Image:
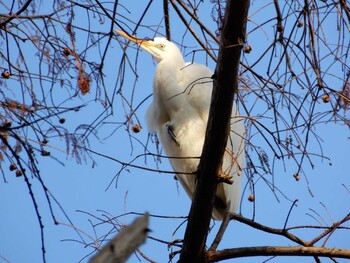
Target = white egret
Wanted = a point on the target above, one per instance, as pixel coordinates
(178, 115)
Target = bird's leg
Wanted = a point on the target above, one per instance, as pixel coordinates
(225, 178)
(172, 134)
(173, 254)
(222, 229)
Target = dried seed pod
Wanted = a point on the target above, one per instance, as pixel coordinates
(19, 173)
(12, 167)
(7, 124)
(45, 153)
(136, 128)
(67, 51)
(247, 49)
(300, 23)
(6, 74)
(251, 197)
(280, 28)
(326, 98)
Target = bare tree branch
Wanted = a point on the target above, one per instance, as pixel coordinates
(22, 9)
(276, 251)
(281, 232)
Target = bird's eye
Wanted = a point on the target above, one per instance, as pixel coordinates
(161, 46)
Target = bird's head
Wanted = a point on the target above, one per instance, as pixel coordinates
(158, 47)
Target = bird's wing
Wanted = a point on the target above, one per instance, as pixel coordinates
(196, 81)
(233, 162)
(176, 121)
(183, 104)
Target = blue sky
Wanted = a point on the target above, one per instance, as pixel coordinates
(89, 193)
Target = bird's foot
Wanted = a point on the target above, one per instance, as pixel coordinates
(224, 178)
(173, 254)
(178, 243)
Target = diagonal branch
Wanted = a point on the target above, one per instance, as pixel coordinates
(22, 9)
(225, 86)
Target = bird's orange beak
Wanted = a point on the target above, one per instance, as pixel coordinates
(140, 41)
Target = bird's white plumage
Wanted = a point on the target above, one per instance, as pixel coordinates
(179, 115)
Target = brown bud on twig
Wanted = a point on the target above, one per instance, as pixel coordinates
(19, 173)
(296, 176)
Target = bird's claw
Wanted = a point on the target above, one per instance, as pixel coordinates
(224, 178)
(173, 254)
(178, 243)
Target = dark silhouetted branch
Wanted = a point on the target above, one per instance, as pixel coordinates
(225, 86)
(276, 251)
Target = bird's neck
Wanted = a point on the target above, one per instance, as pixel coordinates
(177, 62)
(166, 89)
